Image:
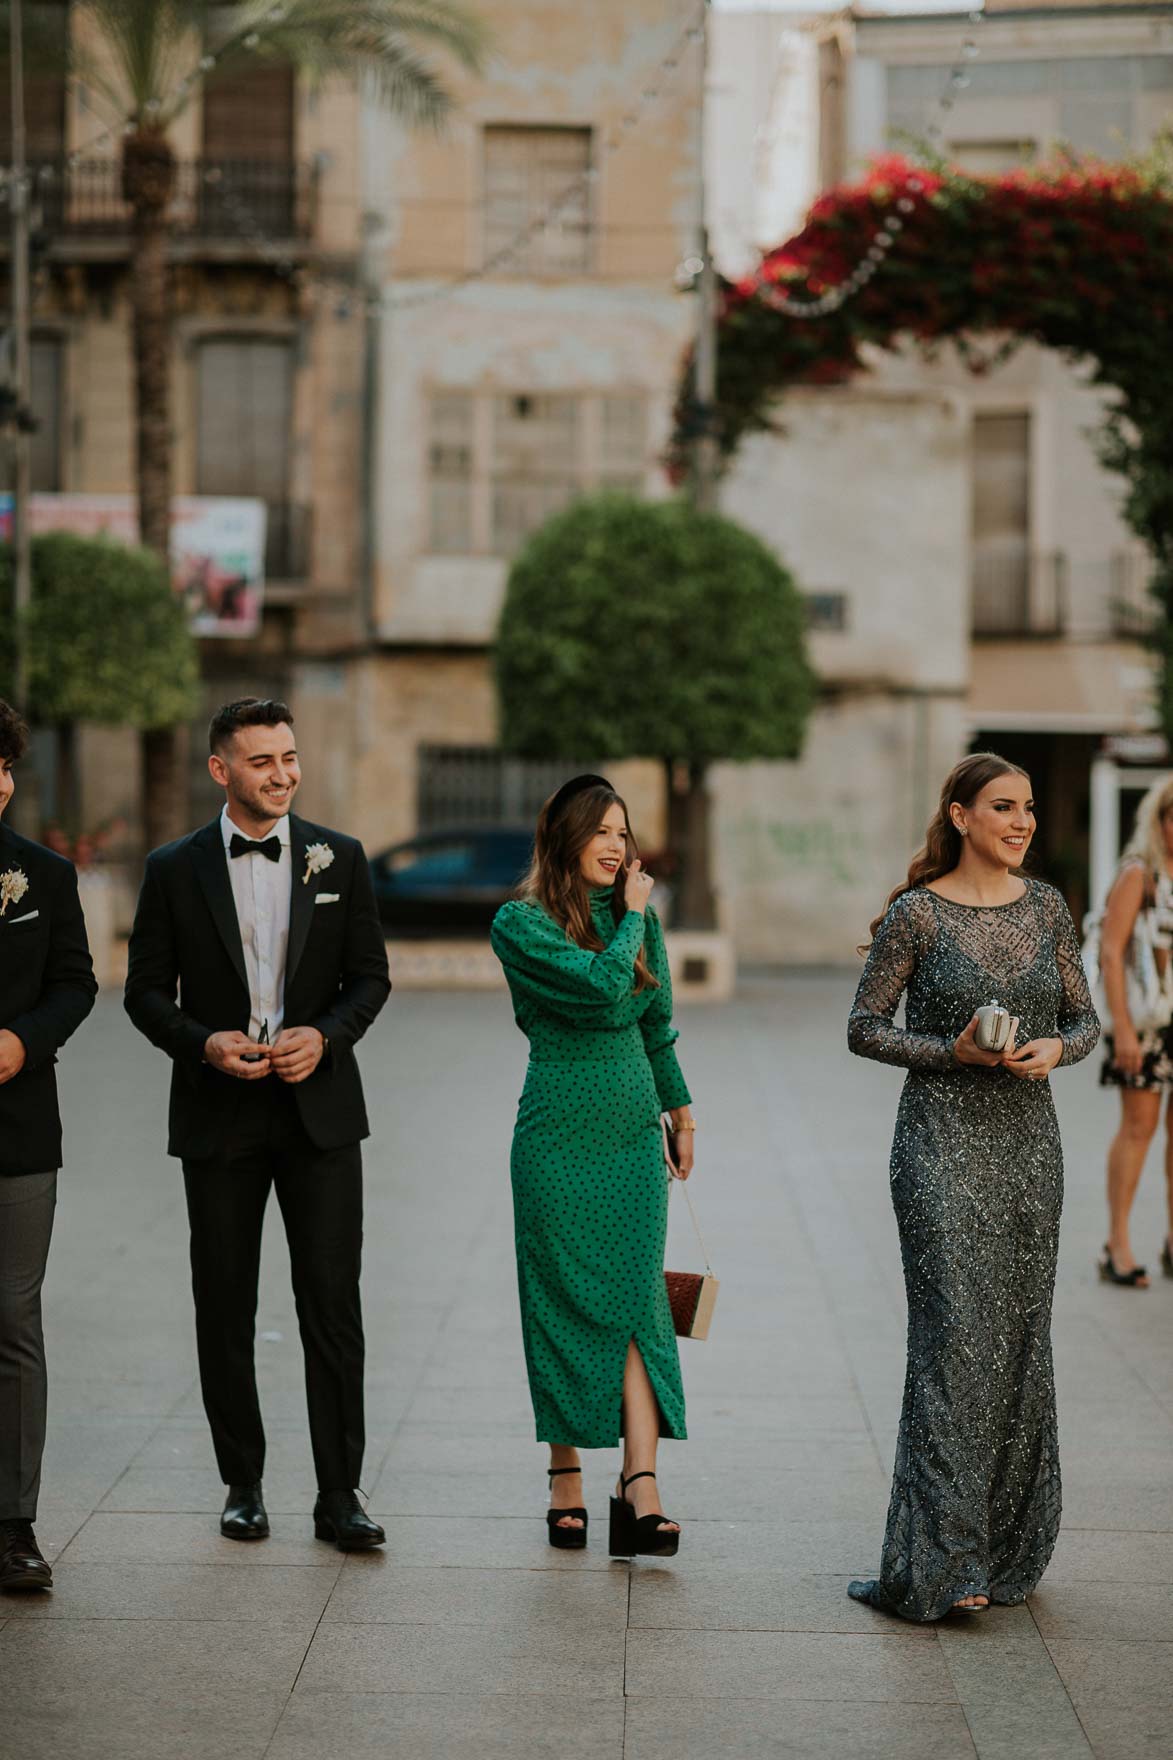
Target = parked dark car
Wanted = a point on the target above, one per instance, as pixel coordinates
(450, 882)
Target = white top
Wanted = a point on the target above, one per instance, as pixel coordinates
(263, 891)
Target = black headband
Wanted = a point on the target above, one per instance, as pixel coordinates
(576, 785)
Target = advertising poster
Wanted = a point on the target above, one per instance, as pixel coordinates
(217, 548)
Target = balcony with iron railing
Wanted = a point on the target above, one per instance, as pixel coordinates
(251, 203)
(1132, 608)
(1019, 593)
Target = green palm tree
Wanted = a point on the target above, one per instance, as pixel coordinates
(147, 59)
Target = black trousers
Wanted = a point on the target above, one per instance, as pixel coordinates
(27, 1203)
(320, 1194)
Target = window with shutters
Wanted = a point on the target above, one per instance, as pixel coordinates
(532, 174)
(44, 95)
(244, 416)
(500, 463)
(535, 464)
(1016, 590)
(249, 176)
(46, 387)
(450, 451)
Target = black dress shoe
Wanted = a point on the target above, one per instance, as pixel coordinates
(21, 1564)
(339, 1516)
(244, 1515)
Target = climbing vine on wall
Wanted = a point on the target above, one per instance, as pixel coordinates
(1074, 255)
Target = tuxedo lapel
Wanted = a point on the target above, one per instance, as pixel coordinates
(301, 897)
(211, 866)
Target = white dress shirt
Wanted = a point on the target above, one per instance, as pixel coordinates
(263, 891)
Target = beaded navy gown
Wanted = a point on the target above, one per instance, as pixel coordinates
(977, 1186)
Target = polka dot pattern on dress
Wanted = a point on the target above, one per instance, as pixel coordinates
(590, 1193)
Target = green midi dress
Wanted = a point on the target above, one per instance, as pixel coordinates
(590, 1191)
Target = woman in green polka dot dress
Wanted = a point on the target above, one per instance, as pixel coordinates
(589, 978)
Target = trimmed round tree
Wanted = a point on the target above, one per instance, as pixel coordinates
(108, 641)
(639, 629)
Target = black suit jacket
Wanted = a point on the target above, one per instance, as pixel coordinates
(47, 988)
(187, 979)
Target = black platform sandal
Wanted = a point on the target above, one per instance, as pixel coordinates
(642, 1536)
(1166, 1258)
(568, 1539)
(1137, 1278)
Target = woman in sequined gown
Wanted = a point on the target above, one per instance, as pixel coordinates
(977, 1186)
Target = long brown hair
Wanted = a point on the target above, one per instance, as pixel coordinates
(941, 851)
(555, 879)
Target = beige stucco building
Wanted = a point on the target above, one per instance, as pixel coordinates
(972, 580)
(529, 349)
(268, 382)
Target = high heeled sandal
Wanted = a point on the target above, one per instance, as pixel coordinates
(567, 1539)
(1137, 1278)
(642, 1536)
(1166, 1258)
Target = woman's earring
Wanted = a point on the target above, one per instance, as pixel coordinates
(964, 830)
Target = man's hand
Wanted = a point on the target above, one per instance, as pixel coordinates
(296, 1053)
(235, 1054)
(12, 1056)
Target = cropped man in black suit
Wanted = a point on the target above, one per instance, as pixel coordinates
(47, 989)
(257, 962)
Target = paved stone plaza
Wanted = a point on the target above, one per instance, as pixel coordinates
(468, 1638)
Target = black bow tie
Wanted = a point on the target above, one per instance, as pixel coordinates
(245, 846)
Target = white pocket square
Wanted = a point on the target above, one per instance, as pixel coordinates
(27, 918)
(328, 898)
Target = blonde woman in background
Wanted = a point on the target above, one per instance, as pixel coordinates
(1138, 1062)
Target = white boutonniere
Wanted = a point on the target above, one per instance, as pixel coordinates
(13, 886)
(318, 857)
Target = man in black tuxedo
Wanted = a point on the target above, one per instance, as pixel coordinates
(257, 962)
(47, 989)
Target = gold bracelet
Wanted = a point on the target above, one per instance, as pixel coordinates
(687, 1125)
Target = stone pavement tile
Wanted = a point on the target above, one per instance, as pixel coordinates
(178, 1489)
(753, 1600)
(443, 1595)
(1025, 1730)
(418, 1448)
(83, 1459)
(120, 1724)
(848, 1548)
(276, 1596)
(463, 1659)
(798, 1729)
(186, 1442)
(831, 1457)
(173, 1658)
(76, 1397)
(499, 1412)
(787, 1665)
(796, 1496)
(997, 1664)
(787, 1416)
(1123, 1611)
(492, 1493)
(430, 1726)
(1105, 1555)
(114, 1538)
(56, 1527)
(486, 1543)
(1093, 1501)
(1127, 1732)
(1100, 1673)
